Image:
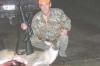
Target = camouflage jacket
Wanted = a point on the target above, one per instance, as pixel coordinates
(57, 20)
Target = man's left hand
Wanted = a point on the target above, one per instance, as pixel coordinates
(63, 32)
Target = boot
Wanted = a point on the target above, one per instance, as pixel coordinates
(61, 60)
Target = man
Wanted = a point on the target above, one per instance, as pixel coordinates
(50, 24)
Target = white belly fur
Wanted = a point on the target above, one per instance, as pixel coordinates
(47, 57)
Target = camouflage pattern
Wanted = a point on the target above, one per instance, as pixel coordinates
(62, 45)
(57, 20)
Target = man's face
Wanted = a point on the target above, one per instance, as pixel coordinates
(45, 7)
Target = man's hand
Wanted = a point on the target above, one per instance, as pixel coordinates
(63, 32)
(23, 26)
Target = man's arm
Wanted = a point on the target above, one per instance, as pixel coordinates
(36, 42)
(65, 23)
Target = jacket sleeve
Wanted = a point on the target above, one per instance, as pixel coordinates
(34, 39)
(65, 21)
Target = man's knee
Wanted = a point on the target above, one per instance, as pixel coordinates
(63, 38)
(62, 41)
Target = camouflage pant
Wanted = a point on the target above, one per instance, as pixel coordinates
(62, 43)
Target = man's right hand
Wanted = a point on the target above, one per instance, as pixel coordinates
(23, 26)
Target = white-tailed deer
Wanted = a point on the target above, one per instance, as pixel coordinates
(44, 58)
(47, 57)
